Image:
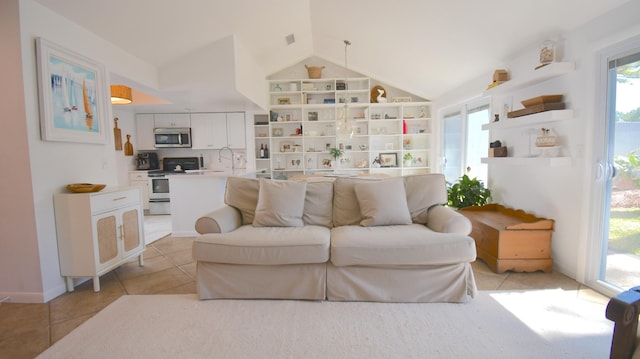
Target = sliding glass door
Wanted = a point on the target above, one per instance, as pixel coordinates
(620, 174)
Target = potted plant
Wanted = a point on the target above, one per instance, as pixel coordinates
(336, 153)
(408, 159)
(467, 192)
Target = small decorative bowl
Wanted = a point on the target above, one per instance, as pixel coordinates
(85, 187)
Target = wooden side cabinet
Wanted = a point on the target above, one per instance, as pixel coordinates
(98, 232)
(511, 240)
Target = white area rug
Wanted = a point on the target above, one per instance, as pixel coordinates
(535, 324)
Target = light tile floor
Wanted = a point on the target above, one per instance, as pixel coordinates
(28, 329)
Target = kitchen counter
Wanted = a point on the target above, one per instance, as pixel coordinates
(195, 193)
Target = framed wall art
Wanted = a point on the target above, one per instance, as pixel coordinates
(72, 95)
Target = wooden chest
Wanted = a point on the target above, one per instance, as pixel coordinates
(511, 240)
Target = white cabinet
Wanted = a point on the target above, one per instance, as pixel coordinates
(144, 132)
(217, 130)
(140, 179)
(172, 120)
(98, 232)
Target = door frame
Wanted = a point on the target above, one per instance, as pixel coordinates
(599, 170)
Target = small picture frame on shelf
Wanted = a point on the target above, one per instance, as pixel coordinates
(388, 159)
(294, 163)
(312, 116)
(284, 101)
(276, 132)
(286, 147)
(401, 99)
(287, 117)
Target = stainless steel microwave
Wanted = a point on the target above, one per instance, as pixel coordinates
(172, 137)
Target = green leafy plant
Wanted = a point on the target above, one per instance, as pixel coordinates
(467, 192)
(407, 156)
(628, 166)
(336, 153)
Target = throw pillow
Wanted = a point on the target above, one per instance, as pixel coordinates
(280, 204)
(423, 192)
(318, 204)
(383, 203)
(242, 193)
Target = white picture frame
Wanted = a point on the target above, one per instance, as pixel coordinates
(72, 95)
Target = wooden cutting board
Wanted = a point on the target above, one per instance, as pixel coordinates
(117, 135)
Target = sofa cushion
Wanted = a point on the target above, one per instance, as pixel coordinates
(280, 204)
(382, 203)
(403, 245)
(318, 204)
(423, 192)
(264, 246)
(242, 193)
(346, 210)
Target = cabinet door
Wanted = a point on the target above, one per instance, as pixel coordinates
(202, 128)
(131, 237)
(219, 134)
(172, 120)
(144, 132)
(236, 130)
(106, 236)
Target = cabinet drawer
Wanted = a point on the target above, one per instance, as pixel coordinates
(138, 176)
(107, 201)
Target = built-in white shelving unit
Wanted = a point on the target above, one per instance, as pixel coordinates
(301, 130)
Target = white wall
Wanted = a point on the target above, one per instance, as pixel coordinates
(560, 193)
(55, 164)
(19, 260)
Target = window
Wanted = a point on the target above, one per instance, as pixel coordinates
(464, 142)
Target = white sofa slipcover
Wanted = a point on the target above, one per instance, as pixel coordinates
(333, 256)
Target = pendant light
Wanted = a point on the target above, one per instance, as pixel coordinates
(120, 95)
(345, 127)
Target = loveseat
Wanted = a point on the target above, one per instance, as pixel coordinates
(344, 239)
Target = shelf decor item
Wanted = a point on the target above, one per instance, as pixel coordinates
(378, 94)
(547, 52)
(315, 72)
(388, 159)
(85, 187)
(546, 140)
(72, 94)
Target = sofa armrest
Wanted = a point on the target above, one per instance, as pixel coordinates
(222, 220)
(447, 220)
(624, 309)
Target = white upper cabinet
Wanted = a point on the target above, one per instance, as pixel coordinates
(217, 130)
(172, 120)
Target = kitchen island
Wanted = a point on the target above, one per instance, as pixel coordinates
(196, 193)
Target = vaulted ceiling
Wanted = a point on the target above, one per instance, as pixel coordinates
(426, 47)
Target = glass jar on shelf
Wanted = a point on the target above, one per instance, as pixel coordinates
(547, 52)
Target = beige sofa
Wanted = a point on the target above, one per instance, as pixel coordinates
(344, 239)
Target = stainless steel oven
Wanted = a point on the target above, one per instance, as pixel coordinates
(159, 200)
(159, 191)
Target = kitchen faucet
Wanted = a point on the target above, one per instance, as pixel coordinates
(233, 161)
